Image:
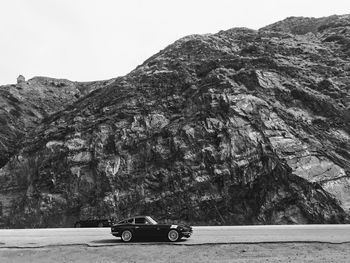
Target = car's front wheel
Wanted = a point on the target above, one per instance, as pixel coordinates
(173, 235)
(126, 236)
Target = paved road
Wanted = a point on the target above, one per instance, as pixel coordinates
(201, 235)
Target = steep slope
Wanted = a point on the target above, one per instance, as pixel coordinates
(237, 127)
(25, 104)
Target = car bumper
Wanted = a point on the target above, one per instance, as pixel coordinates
(116, 233)
(186, 234)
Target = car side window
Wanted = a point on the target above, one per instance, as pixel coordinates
(130, 221)
(140, 221)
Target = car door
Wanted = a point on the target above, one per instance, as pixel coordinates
(157, 231)
(154, 229)
(143, 228)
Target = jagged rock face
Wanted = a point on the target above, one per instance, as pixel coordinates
(24, 105)
(239, 127)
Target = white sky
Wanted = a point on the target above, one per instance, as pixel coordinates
(101, 39)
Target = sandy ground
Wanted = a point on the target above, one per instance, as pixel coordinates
(282, 252)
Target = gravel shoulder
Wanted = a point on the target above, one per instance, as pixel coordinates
(276, 252)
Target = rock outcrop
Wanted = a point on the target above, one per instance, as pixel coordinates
(20, 79)
(26, 104)
(238, 127)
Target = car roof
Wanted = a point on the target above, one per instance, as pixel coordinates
(132, 217)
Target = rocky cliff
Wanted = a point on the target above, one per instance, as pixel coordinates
(25, 104)
(238, 127)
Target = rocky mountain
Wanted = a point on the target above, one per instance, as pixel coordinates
(237, 127)
(25, 104)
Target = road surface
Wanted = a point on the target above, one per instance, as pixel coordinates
(94, 237)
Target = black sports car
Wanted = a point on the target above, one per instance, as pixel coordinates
(93, 223)
(147, 227)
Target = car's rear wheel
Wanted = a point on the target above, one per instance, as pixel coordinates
(173, 235)
(126, 236)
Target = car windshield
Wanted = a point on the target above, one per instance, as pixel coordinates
(150, 219)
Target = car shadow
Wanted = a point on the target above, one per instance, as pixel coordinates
(136, 241)
(106, 241)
